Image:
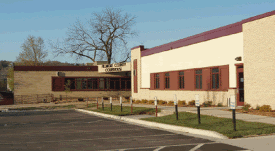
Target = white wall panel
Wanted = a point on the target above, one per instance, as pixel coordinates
(215, 52)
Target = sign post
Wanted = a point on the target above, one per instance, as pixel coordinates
(102, 104)
(156, 104)
(131, 102)
(176, 106)
(121, 103)
(233, 107)
(97, 102)
(197, 103)
(111, 103)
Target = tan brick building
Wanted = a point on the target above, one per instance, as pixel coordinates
(86, 81)
(237, 59)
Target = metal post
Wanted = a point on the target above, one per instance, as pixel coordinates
(234, 119)
(121, 104)
(156, 111)
(199, 115)
(102, 104)
(111, 102)
(131, 102)
(97, 102)
(87, 102)
(176, 108)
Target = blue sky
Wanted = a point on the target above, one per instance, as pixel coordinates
(158, 21)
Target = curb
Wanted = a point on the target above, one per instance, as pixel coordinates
(159, 125)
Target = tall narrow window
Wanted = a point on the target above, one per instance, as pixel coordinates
(167, 80)
(181, 80)
(156, 81)
(198, 74)
(215, 78)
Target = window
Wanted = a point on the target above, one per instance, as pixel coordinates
(107, 83)
(198, 74)
(101, 83)
(72, 83)
(215, 78)
(92, 83)
(167, 81)
(181, 80)
(156, 81)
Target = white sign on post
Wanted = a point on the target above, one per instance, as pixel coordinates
(156, 102)
(232, 102)
(175, 100)
(131, 100)
(197, 101)
(120, 100)
(110, 99)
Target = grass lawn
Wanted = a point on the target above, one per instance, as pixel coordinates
(126, 110)
(221, 125)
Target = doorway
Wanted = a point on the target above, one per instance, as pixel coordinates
(240, 86)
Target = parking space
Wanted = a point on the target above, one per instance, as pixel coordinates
(71, 130)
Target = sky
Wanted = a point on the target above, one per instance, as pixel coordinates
(157, 21)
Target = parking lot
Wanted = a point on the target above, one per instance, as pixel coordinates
(71, 130)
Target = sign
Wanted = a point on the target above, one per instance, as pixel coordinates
(120, 100)
(197, 101)
(156, 101)
(175, 100)
(232, 102)
(111, 100)
(113, 69)
(131, 100)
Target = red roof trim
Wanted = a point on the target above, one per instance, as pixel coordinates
(55, 68)
(208, 35)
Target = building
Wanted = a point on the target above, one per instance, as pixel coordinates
(237, 59)
(96, 80)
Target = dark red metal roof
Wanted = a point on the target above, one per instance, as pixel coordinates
(55, 68)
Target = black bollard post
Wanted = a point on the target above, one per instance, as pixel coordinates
(177, 114)
(234, 119)
(199, 115)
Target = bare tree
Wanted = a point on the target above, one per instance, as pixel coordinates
(33, 52)
(101, 38)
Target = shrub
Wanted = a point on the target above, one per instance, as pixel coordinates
(191, 102)
(246, 107)
(144, 101)
(220, 105)
(151, 101)
(80, 99)
(106, 98)
(170, 103)
(182, 102)
(265, 108)
(137, 101)
(257, 107)
(161, 102)
(207, 103)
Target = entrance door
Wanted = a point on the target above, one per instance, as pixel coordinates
(240, 86)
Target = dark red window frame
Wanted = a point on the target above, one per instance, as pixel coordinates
(198, 78)
(215, 78)
(156, 80)
(181, 80)
(167, 80)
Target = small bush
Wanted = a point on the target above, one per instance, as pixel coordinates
(191, 102)
(106, 98)
(265, 108)
(257, 107)
(161, 102)
(137, 101)
(144, 101)
(151, 101)
(182, 102)
(80, 99)
(207, 103)
(246, 107)
(170, 103)
(220, 105)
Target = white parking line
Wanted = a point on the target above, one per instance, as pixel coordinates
(159, 148)
(197, 147)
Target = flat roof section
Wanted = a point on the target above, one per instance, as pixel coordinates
(55, 68)
(208, 35)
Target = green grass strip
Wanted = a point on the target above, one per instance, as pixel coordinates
(221, 125)
(126, 110)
